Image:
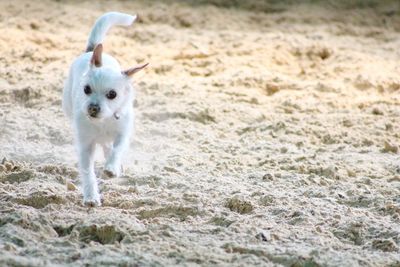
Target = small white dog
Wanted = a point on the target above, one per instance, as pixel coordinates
(98, 99)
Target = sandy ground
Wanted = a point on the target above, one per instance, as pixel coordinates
(265, 135)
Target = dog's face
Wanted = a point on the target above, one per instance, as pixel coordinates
(105, 90)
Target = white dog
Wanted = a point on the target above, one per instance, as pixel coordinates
(98, 99)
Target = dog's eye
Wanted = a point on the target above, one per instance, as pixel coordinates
(87, 89)
(111, 94)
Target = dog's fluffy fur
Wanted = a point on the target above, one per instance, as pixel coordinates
(98, 99)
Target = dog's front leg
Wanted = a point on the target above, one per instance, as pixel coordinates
(91, 196)
(113, 165)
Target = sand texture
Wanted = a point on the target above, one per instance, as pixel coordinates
(266, 135)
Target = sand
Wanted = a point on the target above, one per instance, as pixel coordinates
(266, 134)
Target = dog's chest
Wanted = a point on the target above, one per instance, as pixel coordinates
(106, 131)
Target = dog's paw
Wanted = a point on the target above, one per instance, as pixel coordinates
(92, 201)
(112, 170)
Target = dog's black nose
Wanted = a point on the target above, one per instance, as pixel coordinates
(93, 109)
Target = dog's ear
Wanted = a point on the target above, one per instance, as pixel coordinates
(96, 57)
(131, 71)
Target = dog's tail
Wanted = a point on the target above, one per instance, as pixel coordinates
(103, 24)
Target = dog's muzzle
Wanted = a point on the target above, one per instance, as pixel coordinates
(93, 110)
